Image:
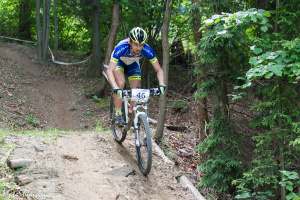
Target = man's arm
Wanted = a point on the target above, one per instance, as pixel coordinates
(159, 73)
(111, 78)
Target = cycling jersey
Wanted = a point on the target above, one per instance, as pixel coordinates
(129, 63)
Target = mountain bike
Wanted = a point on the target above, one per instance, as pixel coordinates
(138, 119)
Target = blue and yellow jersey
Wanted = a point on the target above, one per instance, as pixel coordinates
(122, 53)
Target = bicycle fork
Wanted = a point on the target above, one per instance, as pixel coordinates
(136, 126)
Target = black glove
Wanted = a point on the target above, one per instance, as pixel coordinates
(118, 92)
(162, 89)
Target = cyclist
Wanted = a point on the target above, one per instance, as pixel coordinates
(125, 61)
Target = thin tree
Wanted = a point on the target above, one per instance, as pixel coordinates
(55, 25)
(110, 42)
(113, 30)
(202, 104)
(38, 28)
(25, 19)
(42, 29)
(93, 69)
(165, 65)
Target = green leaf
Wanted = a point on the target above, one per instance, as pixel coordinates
(268, 75)
(222, 32)
(267, 14)
(255, 61)
(256, 50)
(244, 195)
(276, 69)
(290, 174)
(264, 28)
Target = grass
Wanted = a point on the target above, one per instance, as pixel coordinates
(99, 127)
(49, 134)
(101, 102)
(4, 170)
(32, 120)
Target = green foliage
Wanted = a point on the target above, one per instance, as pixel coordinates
(290, 181)
(32, 120)
(275, 75)
(281, 63)
(74, 33)
(221, 33)
(222, 164)
(8, 17)
(179, 105)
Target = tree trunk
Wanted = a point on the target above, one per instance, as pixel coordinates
(202, 104)
(94, 67)
(165, 45)
(55, 26)
(262, 4)
(46, 25)
(113, 31)
(281, 163)
(110, 43)
(196, 20)
(24, 20)
(38, 29)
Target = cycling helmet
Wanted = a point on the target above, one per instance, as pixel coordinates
(138, 35)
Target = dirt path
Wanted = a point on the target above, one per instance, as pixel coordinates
(51, 95)
(82, 165)
(92, 166)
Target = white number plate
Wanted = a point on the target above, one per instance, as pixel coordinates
(140, 95)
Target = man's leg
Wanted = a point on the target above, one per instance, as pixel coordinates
(134, 76)
(134, 83)
(120, 80)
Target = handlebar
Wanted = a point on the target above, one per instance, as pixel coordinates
(153, 92)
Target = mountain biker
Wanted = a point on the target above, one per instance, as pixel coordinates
(125, 61)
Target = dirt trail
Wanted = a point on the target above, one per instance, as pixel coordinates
(51, 95)
(92, 166)
(80, 165)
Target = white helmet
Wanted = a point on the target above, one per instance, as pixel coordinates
(138, 35)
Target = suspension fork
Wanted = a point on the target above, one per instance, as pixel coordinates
(135, 123)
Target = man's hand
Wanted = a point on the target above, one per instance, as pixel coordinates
(118, 92)
(162, 89)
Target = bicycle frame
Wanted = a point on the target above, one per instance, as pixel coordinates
(134, 119)
(138, 119)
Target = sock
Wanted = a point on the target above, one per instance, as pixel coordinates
(118, 111)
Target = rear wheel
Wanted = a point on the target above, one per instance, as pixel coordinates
(144, 149)
(118, 132)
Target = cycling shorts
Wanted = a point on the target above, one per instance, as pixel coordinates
(132, 71)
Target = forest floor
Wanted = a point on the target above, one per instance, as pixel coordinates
(80, 160)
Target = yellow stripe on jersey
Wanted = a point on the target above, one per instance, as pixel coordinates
(153, 60)
(119, 68)
(114, 60)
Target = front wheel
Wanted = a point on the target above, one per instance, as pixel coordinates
(119, 133)
(144, 145)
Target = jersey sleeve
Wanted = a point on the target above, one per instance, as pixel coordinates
(117, 53)
(149, 53)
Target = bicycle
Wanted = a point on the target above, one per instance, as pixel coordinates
(138, 119)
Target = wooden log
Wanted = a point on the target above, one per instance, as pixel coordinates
(168, 126)
(18, 163)
(159, 152)
(185, 182)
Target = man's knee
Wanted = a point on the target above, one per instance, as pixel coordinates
(120, 79)
(120, 83)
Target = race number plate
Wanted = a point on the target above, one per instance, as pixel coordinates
(140, 95)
